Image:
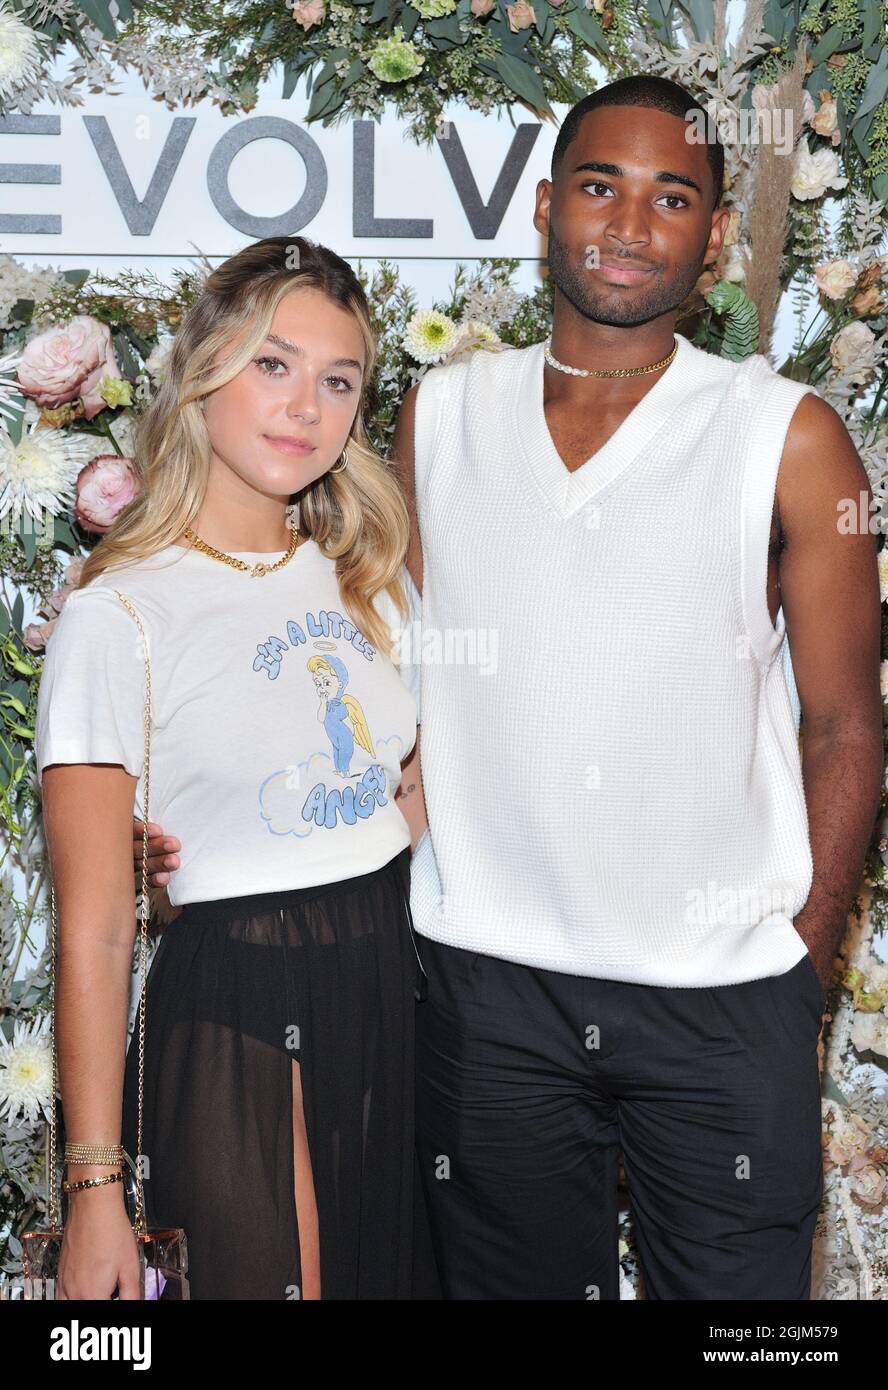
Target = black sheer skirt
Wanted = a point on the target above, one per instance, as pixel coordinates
(238, 990)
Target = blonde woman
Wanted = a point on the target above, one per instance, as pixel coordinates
(278, 1126)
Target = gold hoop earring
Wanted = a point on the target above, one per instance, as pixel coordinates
(343, 464)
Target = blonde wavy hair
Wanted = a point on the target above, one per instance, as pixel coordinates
(357, 516)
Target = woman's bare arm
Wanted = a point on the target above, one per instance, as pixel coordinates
(409, 796)
(96, 921)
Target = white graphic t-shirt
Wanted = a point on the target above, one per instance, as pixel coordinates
(278, 729)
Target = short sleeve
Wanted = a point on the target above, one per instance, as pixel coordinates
(407, 633)
(91, 699)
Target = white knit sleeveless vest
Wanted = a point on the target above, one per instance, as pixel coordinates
(609, 753)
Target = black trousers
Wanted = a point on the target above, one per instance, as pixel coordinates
(530, 1083)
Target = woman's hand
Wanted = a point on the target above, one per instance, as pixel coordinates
(160, 860)
(99, 1248)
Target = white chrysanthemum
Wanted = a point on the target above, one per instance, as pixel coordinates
(813, 174)
(38, 474)
(19, 53)
(26, 1072)
(9, 386)
(883, 673)
(123, 427)
(17, 283)
(155, 364)
(430, 335)
(883, 572)
(473, 336)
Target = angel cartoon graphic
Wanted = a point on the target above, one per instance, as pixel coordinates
(341, 715)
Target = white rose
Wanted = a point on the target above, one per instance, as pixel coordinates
(814, 173)
(869, 1033)
(853, 352)
(827, 118)
(835, 278)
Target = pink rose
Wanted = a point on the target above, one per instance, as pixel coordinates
(104, 488)
(309, 12)
(481, 7)
(868, 1185)
(521, 16)
(36, 635)
(73, 571)
(63, 363)
(56, 601)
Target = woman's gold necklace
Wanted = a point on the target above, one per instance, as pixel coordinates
(618, 371)
(257, 569)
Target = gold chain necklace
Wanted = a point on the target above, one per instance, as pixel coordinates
(257, 569)
(619, 371)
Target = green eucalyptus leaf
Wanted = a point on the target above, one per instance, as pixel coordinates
(700, 13)
(876, 87)
(521, 79)
(22, 310)
(828, 45)
(446, 27)
(29, 544)
(408, 18)
(872, 22)
(292, 73)
(354, 74)
(98, 13)
(15, 423)
(325, 100)
(586, 27)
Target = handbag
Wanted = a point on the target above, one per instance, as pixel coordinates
(163, 1252)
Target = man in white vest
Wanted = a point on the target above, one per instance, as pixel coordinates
(632, 888)
(629, 898)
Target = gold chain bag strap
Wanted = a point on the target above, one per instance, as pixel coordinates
(163, 1253)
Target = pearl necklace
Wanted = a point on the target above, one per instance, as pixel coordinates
(619, 371)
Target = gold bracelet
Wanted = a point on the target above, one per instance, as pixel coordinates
(91, 1182)
(93, 1153)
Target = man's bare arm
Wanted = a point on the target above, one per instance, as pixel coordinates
(829, 586)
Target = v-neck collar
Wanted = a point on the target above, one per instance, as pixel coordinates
(564, 491)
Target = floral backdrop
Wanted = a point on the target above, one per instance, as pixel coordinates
(80, 355)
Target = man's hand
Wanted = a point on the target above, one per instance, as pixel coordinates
(160, 860)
